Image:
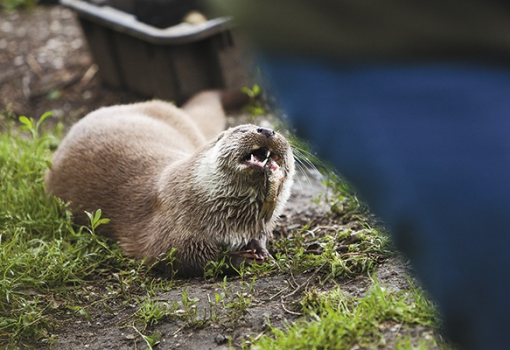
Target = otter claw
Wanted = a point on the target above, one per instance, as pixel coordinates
(256, 253)
(246, 256)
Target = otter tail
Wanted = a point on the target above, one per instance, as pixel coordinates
(207, 109)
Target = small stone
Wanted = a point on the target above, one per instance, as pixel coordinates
(19, 60)
(220, 339)
(6, 27)
(87, 95)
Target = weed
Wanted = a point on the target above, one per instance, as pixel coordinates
(216, 306)
(216, 268)
(254, 107)
(334, 252)
(151, 311)
(151, 340)
(11, 5)
(189, 312)
(28, 262)
(240, 302)
(339, 321)
(406, 343)
(41, 252)
(29, 124)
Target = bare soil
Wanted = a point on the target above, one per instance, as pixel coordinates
(45, 66)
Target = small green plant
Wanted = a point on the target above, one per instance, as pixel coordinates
(151, 311)
(27, 261)
(151, 340)
(11, 5)
(216, 268)
(189, 312)
(216, 305)
(32, 126)
(406, 343)
(96, 220)
(254, 107)
(241, 302)
(335, 251)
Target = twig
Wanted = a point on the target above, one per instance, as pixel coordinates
(34, 65)
(25, 82)
(397, 331)
(292, 281)
(280, 292)
(289, 311)
(300, 287)
(258, 336)
(306, 282)
(89, 74)
(178, 330)
(325, 228)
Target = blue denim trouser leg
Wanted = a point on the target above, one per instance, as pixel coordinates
(428, 147)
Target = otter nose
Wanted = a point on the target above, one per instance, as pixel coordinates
(266, 132)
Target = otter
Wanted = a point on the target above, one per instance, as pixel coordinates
(171, 178)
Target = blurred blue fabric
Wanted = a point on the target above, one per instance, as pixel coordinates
(427, 145)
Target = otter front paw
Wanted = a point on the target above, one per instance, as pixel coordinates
(256, 253)
(258, 248)
(244, 257)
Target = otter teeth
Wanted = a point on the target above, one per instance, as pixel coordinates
(268, 154)
(255, 159)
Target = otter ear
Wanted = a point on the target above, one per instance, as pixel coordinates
(221, 135)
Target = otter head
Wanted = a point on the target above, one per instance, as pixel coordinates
(256, 162)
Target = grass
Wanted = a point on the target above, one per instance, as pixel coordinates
(11, 5)
(41, 253)
(49, 266)
(339, 321)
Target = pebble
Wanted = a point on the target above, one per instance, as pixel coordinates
(220, 339)
(19, 60)
(6, 27)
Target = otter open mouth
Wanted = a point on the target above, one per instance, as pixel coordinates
(258, 158)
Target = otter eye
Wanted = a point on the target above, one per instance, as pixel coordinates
(242, 130)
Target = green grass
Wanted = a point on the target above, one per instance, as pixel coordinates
(11, 5)
(48, 266)
(336, 320)
(333, 319)
(43, 257)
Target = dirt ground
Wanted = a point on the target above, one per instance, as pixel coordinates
(45, 66)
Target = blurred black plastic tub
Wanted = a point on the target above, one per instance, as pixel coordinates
(169, 63)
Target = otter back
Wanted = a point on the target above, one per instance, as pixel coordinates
(154, 170)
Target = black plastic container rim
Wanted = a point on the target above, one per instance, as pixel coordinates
(126, 23)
